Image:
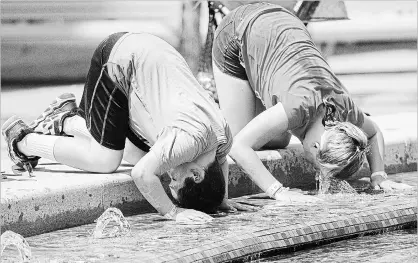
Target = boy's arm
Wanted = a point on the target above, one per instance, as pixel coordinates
(149, 184)
(225, 172)
(173, 147)
(229, 205)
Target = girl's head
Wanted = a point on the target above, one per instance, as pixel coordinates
(341, 148)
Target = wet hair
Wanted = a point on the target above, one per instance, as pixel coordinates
(345, 147)
(207, 195)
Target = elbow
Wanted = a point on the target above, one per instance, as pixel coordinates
(139, 174)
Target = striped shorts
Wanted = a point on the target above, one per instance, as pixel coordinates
(104, 106)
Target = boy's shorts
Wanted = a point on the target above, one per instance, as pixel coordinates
(104, 106)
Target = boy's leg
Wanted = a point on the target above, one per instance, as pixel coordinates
(78, 152)
(132, 154)
(76, 126)
(105, 115)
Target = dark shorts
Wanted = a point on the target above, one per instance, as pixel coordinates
(229, 46)
(226, 47)
(104, 106)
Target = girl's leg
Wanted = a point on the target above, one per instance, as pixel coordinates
(236, 100)
(239, 106)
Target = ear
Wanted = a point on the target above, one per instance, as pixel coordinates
(198, 174)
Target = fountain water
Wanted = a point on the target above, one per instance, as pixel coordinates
(110, 214)
(10, 238)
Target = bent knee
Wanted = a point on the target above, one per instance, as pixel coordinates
(104, 160)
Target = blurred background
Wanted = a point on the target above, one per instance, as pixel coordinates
(46, 46)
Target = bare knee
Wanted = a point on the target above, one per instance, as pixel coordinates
(105, 160)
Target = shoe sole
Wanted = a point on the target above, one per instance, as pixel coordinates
(58, 103)
(10, 122)
(6, 125)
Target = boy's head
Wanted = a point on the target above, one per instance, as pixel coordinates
(197, 187)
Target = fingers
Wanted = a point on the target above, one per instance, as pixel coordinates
(193, 217)
(194, 220)
(246, 207)
(250, 204)
(401, 186)
(391, 186)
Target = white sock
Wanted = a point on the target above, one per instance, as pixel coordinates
(38, 145)
(76, 126)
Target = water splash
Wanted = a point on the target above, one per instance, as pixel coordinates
(110, 214)
(10, 238)
(331, 185)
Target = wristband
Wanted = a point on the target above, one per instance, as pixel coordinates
(172, 213)
(273, 189)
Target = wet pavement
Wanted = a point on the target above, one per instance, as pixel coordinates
(152, 238)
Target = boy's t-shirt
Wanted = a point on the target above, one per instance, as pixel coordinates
(168, 107)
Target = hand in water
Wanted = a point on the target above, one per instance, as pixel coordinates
(379, 181)
(389, 185)
(232, 206)
(190, 216)
(290, 196)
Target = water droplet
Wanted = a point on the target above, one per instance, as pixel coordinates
(110, 214)
(10, 238)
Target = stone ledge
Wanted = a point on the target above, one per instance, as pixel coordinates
(234, 237)
(61, 197)
(271, 241)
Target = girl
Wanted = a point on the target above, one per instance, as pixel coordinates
(272, 82)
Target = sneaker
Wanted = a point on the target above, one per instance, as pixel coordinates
(14, 130)
(54, 124)
(64, 103)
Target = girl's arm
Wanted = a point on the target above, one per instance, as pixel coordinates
(376, 154)
(375, 157)
(254, 135)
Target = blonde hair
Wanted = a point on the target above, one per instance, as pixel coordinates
(345, 147)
